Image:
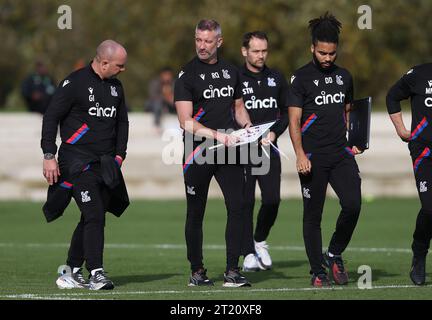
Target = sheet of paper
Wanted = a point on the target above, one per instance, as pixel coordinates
(252, 134)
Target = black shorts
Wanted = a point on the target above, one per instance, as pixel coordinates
(422, 167)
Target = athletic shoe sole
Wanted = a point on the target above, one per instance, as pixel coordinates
(235, 285)
(321, 285)
(102, 286)
(69, 283)
(422, 283)
(201, 285)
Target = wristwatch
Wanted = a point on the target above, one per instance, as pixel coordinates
(48, 156)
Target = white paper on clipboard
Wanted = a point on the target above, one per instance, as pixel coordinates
(252, 134)
(248, 135)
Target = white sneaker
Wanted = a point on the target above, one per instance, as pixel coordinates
(71, 281)
(261, 248)
(252, 264)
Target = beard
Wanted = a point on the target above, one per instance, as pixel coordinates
(321, 67)
(206, 56)
(257, 65)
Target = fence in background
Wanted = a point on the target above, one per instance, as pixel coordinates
(386, 168)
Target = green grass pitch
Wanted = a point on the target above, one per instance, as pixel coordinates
(145, 253)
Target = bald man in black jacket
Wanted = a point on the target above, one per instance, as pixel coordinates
(90, 107)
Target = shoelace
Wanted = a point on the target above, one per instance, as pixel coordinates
(100, 276)
(339, 262)
(323, 278)
(202, 273)
(264, 246)
(80, 276)
(237, 272)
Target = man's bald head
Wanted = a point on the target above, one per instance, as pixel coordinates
(108, 49)
(110, 59)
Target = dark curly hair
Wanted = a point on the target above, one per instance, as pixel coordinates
(326, 28)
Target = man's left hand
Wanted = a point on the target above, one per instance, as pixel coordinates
(356, 150)
(271, 137)
(118, 160)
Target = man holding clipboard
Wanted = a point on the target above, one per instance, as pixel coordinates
(206, 92)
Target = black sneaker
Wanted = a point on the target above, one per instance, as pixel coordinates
(199, 278)
(320, 280)
(234, 279)
(100, 281)
(418, 271)
(78, 277)
(336, 268)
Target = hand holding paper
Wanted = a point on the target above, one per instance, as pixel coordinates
(248, 135)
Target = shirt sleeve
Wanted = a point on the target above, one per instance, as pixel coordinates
(59, 107)
(238, 90)
(182, 89)
(296, 93)
(401, 90)
(282, 123)
(349, 97)
(122, 129)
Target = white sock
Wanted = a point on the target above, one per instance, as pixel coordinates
(75, 270)
(331, 255)
(95, 270)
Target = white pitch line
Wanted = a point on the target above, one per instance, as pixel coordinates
(168, 246)
(39, 297)
(119, 293)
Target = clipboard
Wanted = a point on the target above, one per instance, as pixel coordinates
(359, 123)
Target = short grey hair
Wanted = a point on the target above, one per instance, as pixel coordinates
(210, 25)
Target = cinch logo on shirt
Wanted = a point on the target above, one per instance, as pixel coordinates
(328, 99)
(428, 102)
(255, 103)
(97, 111)
(212, 93)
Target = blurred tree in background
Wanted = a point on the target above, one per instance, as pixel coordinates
(161, 34)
